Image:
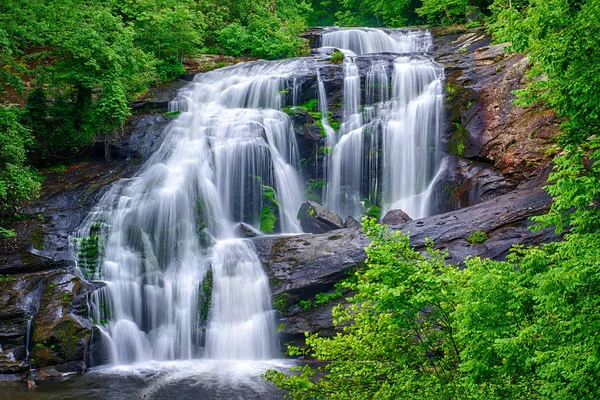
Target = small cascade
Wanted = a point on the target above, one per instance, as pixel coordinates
(27, 338)
(387, 150)
(242, 322)
(346, 165)
(370, 40)
(329, 131)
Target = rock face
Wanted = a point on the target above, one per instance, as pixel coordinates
(352, 223)
(315, 218)
(301, 266)
(395, 217)
(44, 314)
(483, 125)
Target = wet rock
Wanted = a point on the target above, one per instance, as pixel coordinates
(395, 217)
(315, 320)
(352, 223)
(243, 230)
(158, 98)
(315, 218)
(61, 329)
(304, 265)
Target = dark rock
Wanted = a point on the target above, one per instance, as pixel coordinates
(301, 266)
(243, 230)
(315, 320)
(395, 217)
(352, 223)
(483, 124)
(315, 218)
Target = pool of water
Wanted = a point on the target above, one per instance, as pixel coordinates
(174, 380)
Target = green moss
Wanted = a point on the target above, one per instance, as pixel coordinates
(310, 105)
(37, 238)
(280, 301)
(172, 114)
(267, 220)
(316, 115)
(205, 296)
(7, 278)
(477, 237)
(321, 128)
(456, 144)
(7, 233)
(325, 150)
(67, 334)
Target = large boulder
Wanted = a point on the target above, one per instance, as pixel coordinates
(395, 217)
(352, 223)
(315, 218)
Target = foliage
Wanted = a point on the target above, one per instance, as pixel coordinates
(364, 13)
(555, 35)
(339, 290)
(520, 329)
(477, 237)
(337, 57)
(268, 217)
(18, 182)
(398, 342)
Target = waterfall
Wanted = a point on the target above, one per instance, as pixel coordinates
(166, 228)
(179, 283)
(370, 40)
(386, 151)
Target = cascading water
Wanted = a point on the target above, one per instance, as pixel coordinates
(388, 150)
(164, 229)
(167, 237)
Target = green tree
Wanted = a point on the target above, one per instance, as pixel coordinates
(18, 182)
(398, 341)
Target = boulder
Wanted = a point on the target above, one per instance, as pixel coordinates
(352, 223)
(243, 230)
(395, 217)
(315, 218)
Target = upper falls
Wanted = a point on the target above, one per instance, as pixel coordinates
(180, 283)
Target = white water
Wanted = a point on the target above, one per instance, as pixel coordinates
(388, 150)
(370, 40)
(163, 230)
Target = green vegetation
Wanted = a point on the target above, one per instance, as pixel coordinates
(337, 57)
(340, 289)
(418, 328)
(477, 237)
(88, 250)
(205, 296)
(268, 215)
(7, 278)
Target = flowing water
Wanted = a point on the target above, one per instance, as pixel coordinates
(180, 284)
(386, 152)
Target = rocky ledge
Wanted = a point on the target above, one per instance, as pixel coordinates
(302, 266)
